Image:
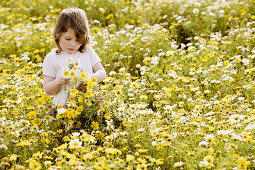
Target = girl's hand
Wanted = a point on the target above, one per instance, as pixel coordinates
(62, 80)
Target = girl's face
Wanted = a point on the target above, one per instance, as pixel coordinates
(68, 42)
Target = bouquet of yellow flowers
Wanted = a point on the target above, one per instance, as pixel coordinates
(84, 107)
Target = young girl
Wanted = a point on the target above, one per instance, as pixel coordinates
(71, 35)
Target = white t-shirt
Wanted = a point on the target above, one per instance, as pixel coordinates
(53, 64)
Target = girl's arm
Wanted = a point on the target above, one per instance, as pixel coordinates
(99, 72)
(51, 85)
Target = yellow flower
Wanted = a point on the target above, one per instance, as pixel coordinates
(130, 158)
(209, 158)
(107, 115)
(102, 10)
(23, 143)
(79, 109)
(88, 93)
(242, 162)
(113, 151)
(226, 63)
(95, 125)
(159, 162)
(109, 16)
(31, 115)
(34, 165)
(100, 135)
(134, 85)
(83, 75)
(69, 60)
(142, 150)
(90, 85)
(73, 92)
(72, 73)
(13, 157)
(59, 130)
(87, 102)
(185, 79)
(39, 101)
(94, 80)
(138, 145)
(36, 122)
(88, 156)
(73, 162)
(66, 72)
(207, 91)
(238, 59)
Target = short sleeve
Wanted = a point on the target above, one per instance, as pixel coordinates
(48, 66)
(94, 58)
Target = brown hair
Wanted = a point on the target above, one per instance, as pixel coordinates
(76, 19)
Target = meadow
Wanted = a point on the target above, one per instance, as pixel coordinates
(179, 92)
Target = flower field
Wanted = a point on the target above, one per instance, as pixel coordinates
(179, 92)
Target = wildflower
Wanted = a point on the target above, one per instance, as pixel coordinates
(61, 110)
(88, 156)
(250, 127)
(130, 158)
(204, 144)
(13, 157)
(142, 150)
(207, 91)
(203, 164)
(245, 61)
(3, 146)
(209, 158)
(95, 125)
(209, 137)
(73, 162)
(178, 164)
(69, 60)
(154, 60)
(242, 162)
(72, 73)
(107, 115)
(154, 132)
(31, 115)
(47, 163)
(36, 122)
(83, 75)
(195, 11)
(102, 10)
(93, 80)
(75, 143)
(66, 72)
(237, 59)
(226, 63)
(88, 93)
(16, 133)
(34, 165)
(90, 85)
(170, 53)
(39, 102)
(23, 143)
(76, 134)
(113, 151)
(73, 92)
(79, 109)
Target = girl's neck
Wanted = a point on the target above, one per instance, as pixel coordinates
(62, 52)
